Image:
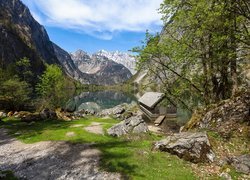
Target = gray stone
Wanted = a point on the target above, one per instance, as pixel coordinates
(29, 117)
(116, 111)
(225, 176)
(241, 163)
(133, 124)
(89, 112)
(194, 147)
(48, 114)
(3, 115)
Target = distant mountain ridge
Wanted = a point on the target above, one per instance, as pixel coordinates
(105, 71)
(125, 59)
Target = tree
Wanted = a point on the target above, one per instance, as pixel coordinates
(51, 87)
(15, 94)
(24, 72)
(197, 57)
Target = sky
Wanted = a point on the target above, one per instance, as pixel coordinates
(93, 25)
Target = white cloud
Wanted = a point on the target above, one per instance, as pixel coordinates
(100, 18)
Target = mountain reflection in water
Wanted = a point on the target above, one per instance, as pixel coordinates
(99, 100)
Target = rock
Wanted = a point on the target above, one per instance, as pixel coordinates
(10, 113)
(63, 115)
(118, 110)
(223, 117)
(29, 117)
(48, 114)
(241, 163)
(79, 114)
(194, 147)
(127, 115)
(225, 176)
(223, 162)
(115, 111)
(133, 124)
(3, 115)
(91, 112)
(181, 129)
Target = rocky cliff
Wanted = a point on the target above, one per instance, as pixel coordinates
(125, 59)
(69, 66)
(21, 35)
(100, 69)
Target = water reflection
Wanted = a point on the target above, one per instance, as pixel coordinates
(99, 100)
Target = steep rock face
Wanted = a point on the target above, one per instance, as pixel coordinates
(69, 66)
(121, 58)
(225, 117)
(85, 63)
(22, 35)
(100, 69)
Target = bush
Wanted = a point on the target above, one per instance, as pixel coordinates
(14, 94)
(52, 88)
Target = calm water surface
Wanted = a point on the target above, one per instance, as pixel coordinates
(99, 100)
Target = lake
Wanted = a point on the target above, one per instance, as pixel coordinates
(99, 100)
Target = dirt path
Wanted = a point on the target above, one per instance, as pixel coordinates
(95, 128)
(50, 160)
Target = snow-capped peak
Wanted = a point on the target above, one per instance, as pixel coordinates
(120, 57)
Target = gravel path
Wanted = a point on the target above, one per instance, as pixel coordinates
(50, 160)
(95, 128)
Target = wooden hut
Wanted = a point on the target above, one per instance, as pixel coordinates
(150, 105)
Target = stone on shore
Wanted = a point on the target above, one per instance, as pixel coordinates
(133, 124)
(115, 111)
(241, 163)
(194, 147)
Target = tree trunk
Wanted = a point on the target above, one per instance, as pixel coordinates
(233, 58)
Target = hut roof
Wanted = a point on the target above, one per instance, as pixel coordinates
(150, 99)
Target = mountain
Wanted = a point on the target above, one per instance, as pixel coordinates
(121, 58)
(22, 36)
(102, 70)
(69, 66)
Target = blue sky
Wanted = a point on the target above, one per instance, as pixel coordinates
(93, 25)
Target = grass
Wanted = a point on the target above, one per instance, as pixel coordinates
(132, 155)
(7, 175)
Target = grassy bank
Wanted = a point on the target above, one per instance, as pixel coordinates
(131, 155)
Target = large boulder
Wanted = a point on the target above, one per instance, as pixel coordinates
(115, 111)
(133, 124)
(241, 163)
(48, 114)
(194, 147)
(223, 117)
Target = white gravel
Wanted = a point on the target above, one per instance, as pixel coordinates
(51, 160)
